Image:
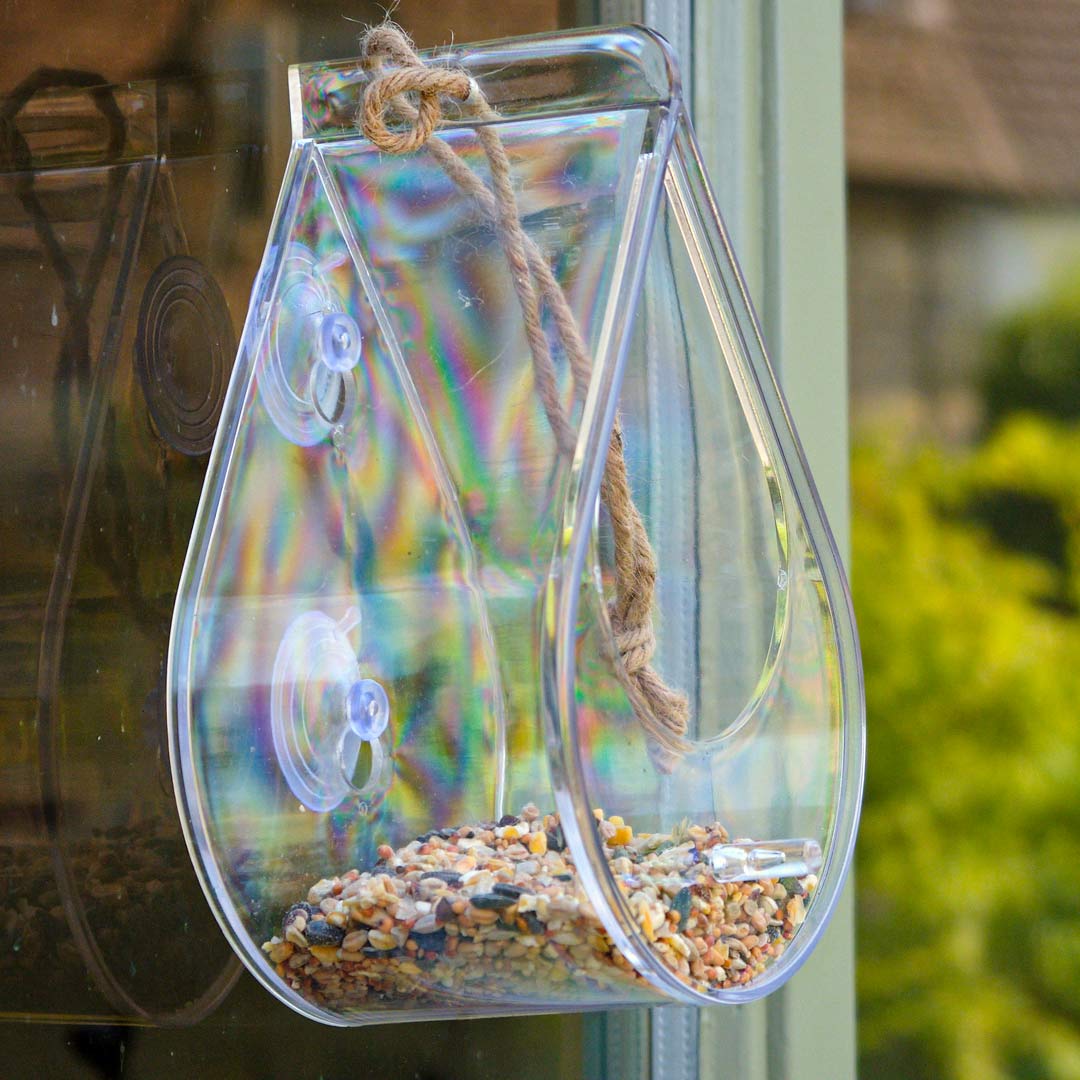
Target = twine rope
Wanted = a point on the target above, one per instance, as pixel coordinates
(661, 711)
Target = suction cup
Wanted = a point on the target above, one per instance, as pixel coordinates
(324, 714)
(184, 348)
(307, 385)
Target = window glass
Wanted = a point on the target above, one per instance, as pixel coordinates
(125, 286)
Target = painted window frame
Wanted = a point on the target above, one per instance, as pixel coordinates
(766, 86)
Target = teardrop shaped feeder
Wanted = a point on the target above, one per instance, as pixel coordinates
(513, 667)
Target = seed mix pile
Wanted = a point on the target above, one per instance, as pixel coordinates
(496, 911)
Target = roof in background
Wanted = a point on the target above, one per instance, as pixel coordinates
(973, 95)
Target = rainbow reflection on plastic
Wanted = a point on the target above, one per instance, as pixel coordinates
(433, 508)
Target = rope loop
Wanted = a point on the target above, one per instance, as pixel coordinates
(389, 43)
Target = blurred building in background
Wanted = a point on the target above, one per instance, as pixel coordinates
(963, 129)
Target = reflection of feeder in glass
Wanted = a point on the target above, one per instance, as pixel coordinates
(325, 714)
(106, 455)
(307, 386)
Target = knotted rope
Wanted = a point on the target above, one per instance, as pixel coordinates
(662, 711)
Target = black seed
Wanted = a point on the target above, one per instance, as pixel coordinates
(534, 925)
(433, 942)
(556, 839)
(564, 877)
(444, 910)
(320, 932)
(382, 954)
(773, 931)
(448, 834)
(507, 819)
(681, 905)
(509, 890)
(423, 838)
(298, 909)
(451, 877)
(492, 901)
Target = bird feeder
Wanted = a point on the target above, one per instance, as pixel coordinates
(513, 666)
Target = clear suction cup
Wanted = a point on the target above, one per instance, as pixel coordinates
(368, 709)
(329, 722)
(307, 385)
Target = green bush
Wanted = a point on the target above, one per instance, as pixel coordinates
(968, 869)
(1033, 358)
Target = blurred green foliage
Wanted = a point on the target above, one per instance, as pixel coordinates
(966, 573)
(1033, 357)
(968, 867)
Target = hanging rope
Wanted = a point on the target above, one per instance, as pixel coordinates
(662, 711)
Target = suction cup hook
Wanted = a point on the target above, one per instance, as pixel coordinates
(306, 382)
(329, 722)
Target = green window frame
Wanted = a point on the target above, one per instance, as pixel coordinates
(765, 78)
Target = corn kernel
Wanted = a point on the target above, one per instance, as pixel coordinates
(538, 843)
(623, 835)
(646, 925)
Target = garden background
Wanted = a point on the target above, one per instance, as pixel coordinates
(964, 294)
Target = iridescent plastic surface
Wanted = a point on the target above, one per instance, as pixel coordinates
(393, 617)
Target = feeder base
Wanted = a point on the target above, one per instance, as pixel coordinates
(495, 912)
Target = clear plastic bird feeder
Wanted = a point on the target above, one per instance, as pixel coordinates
(414, 773)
